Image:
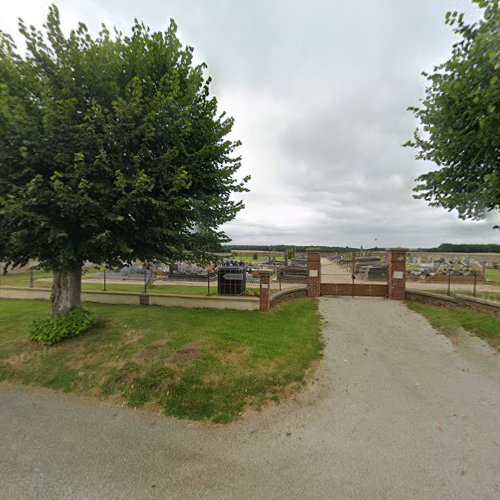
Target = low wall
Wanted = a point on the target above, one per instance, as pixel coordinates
(360, 289)
(289, 294)
(127, 298)
(436, 299)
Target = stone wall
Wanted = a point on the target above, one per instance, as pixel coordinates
(290, 294)
(436, 299)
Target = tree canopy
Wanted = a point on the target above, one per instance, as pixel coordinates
(112, 149)
(460, 119)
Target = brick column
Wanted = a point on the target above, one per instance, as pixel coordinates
(396, 273)
(313, 272)
(265, 285)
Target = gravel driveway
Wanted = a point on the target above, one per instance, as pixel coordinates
(394, 411)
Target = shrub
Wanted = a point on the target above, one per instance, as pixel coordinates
(57, 328)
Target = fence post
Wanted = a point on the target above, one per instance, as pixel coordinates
(265, 284)
(396, 260)
(313, 272)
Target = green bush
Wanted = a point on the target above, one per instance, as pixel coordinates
(57, 328)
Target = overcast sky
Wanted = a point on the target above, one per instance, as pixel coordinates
(319, 91)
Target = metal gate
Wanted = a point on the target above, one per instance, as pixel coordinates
(354, 274)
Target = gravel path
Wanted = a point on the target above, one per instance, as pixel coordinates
(394, 411)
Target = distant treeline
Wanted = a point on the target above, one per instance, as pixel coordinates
(464, 248)
(297, 248)
(444, 247)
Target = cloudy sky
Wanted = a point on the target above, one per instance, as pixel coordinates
(319, 91)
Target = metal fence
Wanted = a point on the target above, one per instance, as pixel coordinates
(451, 284)
(334, 271)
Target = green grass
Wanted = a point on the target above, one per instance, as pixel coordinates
(135, 288)
(193, 363)
(453, 321)
(493, 275)
(495, 296)
(23, 279)
(412, 266)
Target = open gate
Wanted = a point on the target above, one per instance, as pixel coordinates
(355, 275)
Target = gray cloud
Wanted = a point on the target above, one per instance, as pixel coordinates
(319, 91)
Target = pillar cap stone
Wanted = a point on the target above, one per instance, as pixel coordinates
(312, 249)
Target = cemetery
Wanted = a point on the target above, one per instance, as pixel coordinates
(364, 268)
(441, 269)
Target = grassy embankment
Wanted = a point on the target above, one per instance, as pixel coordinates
(455, 320)
(191, 363)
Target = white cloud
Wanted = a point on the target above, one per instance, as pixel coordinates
(319, 91)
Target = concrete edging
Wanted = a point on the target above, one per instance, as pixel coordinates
(129, 298)
(477, 304)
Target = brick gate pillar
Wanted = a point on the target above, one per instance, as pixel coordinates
(313, 272)
(265, 285)
(396, 273)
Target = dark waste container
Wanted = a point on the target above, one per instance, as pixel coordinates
(231, 280)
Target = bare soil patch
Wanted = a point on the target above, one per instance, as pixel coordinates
(148, 353)
(184, 355)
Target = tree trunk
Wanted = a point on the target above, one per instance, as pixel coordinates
(66, 290)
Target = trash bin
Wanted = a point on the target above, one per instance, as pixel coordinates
(231, 280)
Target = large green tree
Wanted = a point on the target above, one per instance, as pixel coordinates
(460, 119)
(111, 149)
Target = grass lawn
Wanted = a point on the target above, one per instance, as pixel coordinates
(23, 280)
(493, 275)
(125, 287)
(412, 266)
(495, 296)
(452, 321)
(192, 363)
